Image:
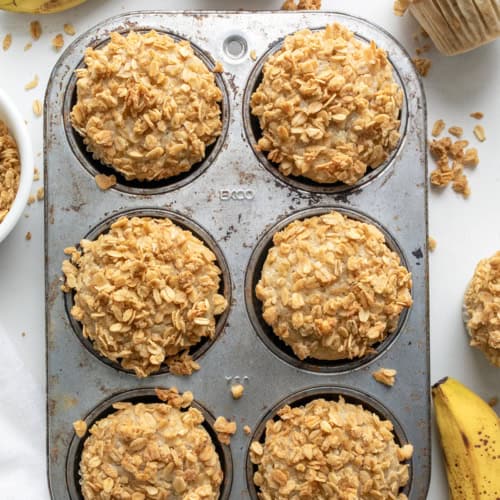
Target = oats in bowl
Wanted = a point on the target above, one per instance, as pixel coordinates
(331, 288)
(151, 451)
(328, 106)
(482, 308)
(145, 292)
(328, 450)
(10, 170)
(146, 105)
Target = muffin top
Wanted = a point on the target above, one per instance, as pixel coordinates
(328, 106)
(146, 105)
(10, 170)
(144, 291)
(482, 308)
(150, 451)
(331, 287)
(328, 450)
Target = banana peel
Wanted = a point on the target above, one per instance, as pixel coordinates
(39, 6)
(470, 436)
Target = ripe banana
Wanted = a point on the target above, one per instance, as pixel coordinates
(470, 436)
(38, 6)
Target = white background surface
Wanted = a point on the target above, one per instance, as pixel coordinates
(465, 230)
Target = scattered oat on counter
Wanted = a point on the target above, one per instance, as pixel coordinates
(7, 41)
(456, 131)
(28, 236)
(301, 5)
(69, 29)
(105, 182)
(35, 30)
(385, 376)
(218, 68)
(438, 127)
(253, 55)
(58, 41)
(31, 199)
(36, 175)
(423, 49)
(40, 193)
(493, 401)
(237, 391)
(247, 429)
(431, 243)
(23, 334)
(32, 84)
(477, 115)
(471, 158)
(80, 428)
(28, 46)
(423, 65)
(37, 108)
(10, 170)
(182, 364)
(225, 429)
(479, 133)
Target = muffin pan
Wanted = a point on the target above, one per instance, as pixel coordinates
(235, 200)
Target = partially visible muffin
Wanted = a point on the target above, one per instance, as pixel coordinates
(151, 451)
(329, 450)
(10, 170)
(145, 292)
(331, 287)
(482, 308)
(328, 106)
(146, 105)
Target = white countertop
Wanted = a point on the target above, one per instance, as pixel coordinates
(465, 230)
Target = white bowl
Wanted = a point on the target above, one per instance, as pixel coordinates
(17, 128)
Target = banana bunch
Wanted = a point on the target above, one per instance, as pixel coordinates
(39, 6)
(470, 436)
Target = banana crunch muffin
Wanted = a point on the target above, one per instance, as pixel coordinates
(331, 288)
(146, 105)
(151, 451)
(145, 292)
(329, 450)
(328, 106)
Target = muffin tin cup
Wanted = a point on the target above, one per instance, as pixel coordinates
(329, 393)
(105, 408)
(237, 204)
(254, 133)
(196, 351)
(265, 332)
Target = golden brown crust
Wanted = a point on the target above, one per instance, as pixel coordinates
(331, 287)
(146, 105)
(150, 451)
(328, 106)
(145, 291)
(10, 170)
(329, 450)
(482, 308)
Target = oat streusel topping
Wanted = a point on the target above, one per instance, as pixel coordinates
(145, 292)
(328, 106)
(482, 308)
(329, 450)
(146, 105)
(10, 170)
(331, 287)
(150, 451)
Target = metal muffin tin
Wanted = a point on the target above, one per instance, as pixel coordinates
(234, 201)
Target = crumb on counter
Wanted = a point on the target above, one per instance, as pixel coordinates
(80, 428)
(37, 107)
(479, 133)
(477, 115)
(423, 65)
(105, 182)
(31, 199)
(493, 401)
(58, 41)
(438, 127)
(36, 175)
(40, 193)
(35, 30)
(247, 429)
(32, 84)
(253, 55)
(456, 131)
(28, 236)
(225, 429)
(69, 29)
(431, 243)
(385, 376)
(301, 5)
(28, 46)
(237, 391)
(218, 68)
(7, 41)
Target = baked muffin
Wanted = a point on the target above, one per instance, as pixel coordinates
(331, 288)
(455, 26)
(146, 105)
(328, 450)
(10, 170)
(328, 106)
(150, 451)
(482, 308)
(145, 292)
